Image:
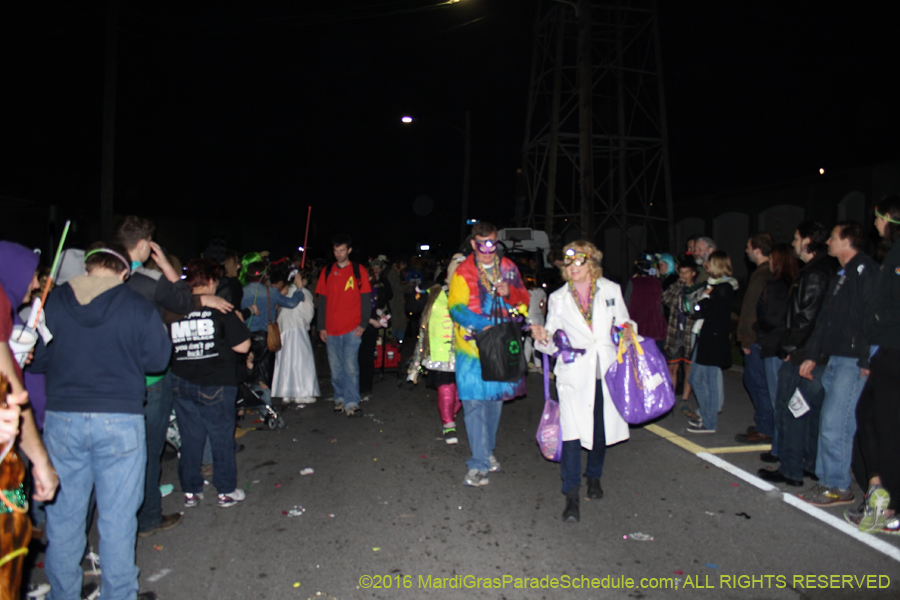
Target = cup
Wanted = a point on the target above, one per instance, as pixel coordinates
(21, 342)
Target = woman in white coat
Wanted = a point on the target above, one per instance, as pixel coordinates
(586, 308)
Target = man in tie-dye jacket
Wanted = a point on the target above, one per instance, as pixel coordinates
(481, 278)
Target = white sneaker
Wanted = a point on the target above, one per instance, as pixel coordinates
(309, 400)
(226, 500)
(475, 478)
(191, 500)
(495, 464)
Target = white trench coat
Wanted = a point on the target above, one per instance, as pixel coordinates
(576, 381)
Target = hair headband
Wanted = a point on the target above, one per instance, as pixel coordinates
(887, 217)
(114, 253)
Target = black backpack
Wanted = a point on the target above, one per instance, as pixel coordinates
(355, 273)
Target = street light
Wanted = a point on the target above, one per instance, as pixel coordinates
(406, 119)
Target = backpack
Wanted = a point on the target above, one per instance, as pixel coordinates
(355, 273)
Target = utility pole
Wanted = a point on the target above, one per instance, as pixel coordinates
(107, 168)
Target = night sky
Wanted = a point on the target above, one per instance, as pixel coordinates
(253, 111)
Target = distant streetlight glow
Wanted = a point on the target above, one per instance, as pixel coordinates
(821, 171)
(424, 247)
(406, 119)
(300, 248)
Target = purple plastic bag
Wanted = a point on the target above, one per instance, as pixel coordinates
(638, 381)
(549, 434)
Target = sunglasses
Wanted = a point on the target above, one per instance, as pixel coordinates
(576, 258)
(486, 246)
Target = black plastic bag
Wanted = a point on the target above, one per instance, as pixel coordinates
(501, 350)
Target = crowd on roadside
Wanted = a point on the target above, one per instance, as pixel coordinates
(128, 336)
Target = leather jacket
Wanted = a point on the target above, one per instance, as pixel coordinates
(805, 300)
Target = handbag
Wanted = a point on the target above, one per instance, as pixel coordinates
(501, 349)
(638, 380)
(549, 434)
(273, 335)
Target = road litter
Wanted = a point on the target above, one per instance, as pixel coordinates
(735, 485)
(166, 489)
(639, 537)
(294, 512)
(376, 549)
(678, 572)
(712, 566)
(158, 548)
(296, 584)
(743, 514)
(277, 485)
(330, 516)
(306, 471)
(712, 514)
(159, 575)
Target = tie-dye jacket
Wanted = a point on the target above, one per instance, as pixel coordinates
(470, 308)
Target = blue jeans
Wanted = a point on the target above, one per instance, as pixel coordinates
(798, 435)
(570, 463)
(106, 452)
(771, 366)
(709, 389)
(206, 410)
(156, 412)
(482, 419)
(755, 382)
(837, 424)
(343, 359)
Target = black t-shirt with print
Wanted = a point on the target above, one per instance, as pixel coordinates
(202, 342)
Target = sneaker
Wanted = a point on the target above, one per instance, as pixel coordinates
(226, 500)
(891, 526)
(855, 515)
(192, 499)
(475, 478)
(338, 406)
(495, 464)
(365, 398)
(819, 495)
(698, 422)
(695, 427)
(166, 523)
(877, 501)
(450, 435)
(353, 411)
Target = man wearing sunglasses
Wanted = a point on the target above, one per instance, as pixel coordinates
(483, 281)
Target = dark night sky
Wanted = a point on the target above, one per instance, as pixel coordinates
(254, 111)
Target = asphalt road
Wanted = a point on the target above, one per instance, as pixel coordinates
(385, 515)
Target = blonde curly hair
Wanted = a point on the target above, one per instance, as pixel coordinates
(594, 254)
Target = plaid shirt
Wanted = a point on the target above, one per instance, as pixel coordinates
(680, 299)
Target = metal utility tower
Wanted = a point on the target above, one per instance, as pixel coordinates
(596, 161)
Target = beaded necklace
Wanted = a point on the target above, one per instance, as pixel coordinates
(587, 313)
(483, 276)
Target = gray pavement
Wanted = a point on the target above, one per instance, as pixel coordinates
(386, 506)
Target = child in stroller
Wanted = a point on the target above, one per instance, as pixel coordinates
(254, 395)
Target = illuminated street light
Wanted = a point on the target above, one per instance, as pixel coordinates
(406, 119)
(821, 171)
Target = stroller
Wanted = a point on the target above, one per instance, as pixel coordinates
(254, 393)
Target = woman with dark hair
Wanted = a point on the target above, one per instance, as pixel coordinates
(381, 296)
(205, 388)
(879, 405)
(712, 352)
(771, 311)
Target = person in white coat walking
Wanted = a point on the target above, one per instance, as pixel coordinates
(586, 309)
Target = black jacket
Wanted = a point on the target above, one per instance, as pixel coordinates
(839, 327)
(883, 314)
(805, 299)
(771, 312)
(714, 342)
(162, 293)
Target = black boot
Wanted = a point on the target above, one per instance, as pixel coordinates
(595, 492)
(571, 514)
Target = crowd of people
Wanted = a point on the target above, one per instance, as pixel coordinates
(128, 336)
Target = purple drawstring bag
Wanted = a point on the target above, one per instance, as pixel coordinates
(638, 380)
(549, 434)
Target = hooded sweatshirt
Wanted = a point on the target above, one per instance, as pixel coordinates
(106, 337)
(17, 267)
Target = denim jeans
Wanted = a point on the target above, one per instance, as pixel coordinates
(755, 382)
(343, 359)
(206, 410)
(482, 420)
(771, 365)
(798, 436)
(837, 424)
(156, 412)
(709, 389)
(106, 452)
(570, 463)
